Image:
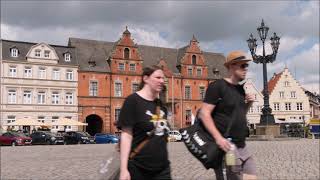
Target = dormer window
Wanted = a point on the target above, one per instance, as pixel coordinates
(199, 72)
(126, 53)
(14, 52)
(46, 54)
(121, 67)
(67, 57)
(194, 59)
(37, 53)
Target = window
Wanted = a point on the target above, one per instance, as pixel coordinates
(12, 71)
(293, 94)
(251, 110)
(288, 106)
(67, 57)
(135, 87)
(41, 119)
(27, 72)
(14, 52)
(11, 119)
(276, 106)
(286, 83)
(299, 106)
(187, 92)
(259, 109)
(132, 67)
(56, 74)
(126, 53)
(116, 114)
(121, 67)
(54, 118)
(188, 116)
(37, 53)
(93, 88)
(55, 98)
(281, 94)
(12, 96)
(194, 59)
(199, 72)
(202, 92)
(27, 97)
(190, 71)
(69, 98)
(118, 89)
(46, 54)
(42, 73)
(41, 97)
(69, 75)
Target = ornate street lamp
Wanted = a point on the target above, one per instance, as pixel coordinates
(266, 117)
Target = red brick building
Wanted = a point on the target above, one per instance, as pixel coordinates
(110, 71)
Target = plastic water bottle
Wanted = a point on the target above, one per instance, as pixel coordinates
(231, 155)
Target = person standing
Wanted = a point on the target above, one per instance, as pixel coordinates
(226, 101)
(139, 124)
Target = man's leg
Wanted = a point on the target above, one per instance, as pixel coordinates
(249, 169)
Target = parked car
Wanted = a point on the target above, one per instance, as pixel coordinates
(46, 137)
(78, 137)
(103, 138)
(174, 135)
(14, 138)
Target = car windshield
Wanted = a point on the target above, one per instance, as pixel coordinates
(18, 134)
(50, 133)
(84, 133)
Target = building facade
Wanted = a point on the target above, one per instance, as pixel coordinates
(110, 71)
(314, 102)
(38, 81)
(288, 100)
(254, 112)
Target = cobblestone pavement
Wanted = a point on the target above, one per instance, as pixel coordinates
(298, 159)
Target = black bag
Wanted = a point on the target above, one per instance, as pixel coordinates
(201, 144)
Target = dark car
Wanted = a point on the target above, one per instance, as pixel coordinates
(46, 137)
(103, 138)
(14, 138)
(78, 137)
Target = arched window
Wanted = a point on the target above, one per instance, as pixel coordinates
(126, 53)
(194, 59)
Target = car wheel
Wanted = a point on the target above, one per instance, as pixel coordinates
(13, 143)
(48, 142)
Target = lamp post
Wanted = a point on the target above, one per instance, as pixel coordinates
(266, 117)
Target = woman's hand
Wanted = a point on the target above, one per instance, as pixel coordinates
(124, 175)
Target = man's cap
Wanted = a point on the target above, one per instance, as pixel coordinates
(236, 57)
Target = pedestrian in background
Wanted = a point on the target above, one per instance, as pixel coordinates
(225, 99)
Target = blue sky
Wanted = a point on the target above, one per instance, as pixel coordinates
(219, 26)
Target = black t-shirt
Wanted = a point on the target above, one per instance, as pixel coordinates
(230, 104)
(136, 113)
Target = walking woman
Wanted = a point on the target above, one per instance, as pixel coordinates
(139, 125)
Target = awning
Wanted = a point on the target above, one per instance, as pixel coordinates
(67, 122)
(26, 121)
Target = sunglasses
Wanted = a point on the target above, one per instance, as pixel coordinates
(242, 66)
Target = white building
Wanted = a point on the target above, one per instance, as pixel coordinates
(288, 100)
(254, 112)
(38, 81)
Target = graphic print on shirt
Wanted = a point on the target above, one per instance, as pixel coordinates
(160, 124)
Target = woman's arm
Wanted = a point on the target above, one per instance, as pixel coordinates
(125, 147)
(205, 115)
